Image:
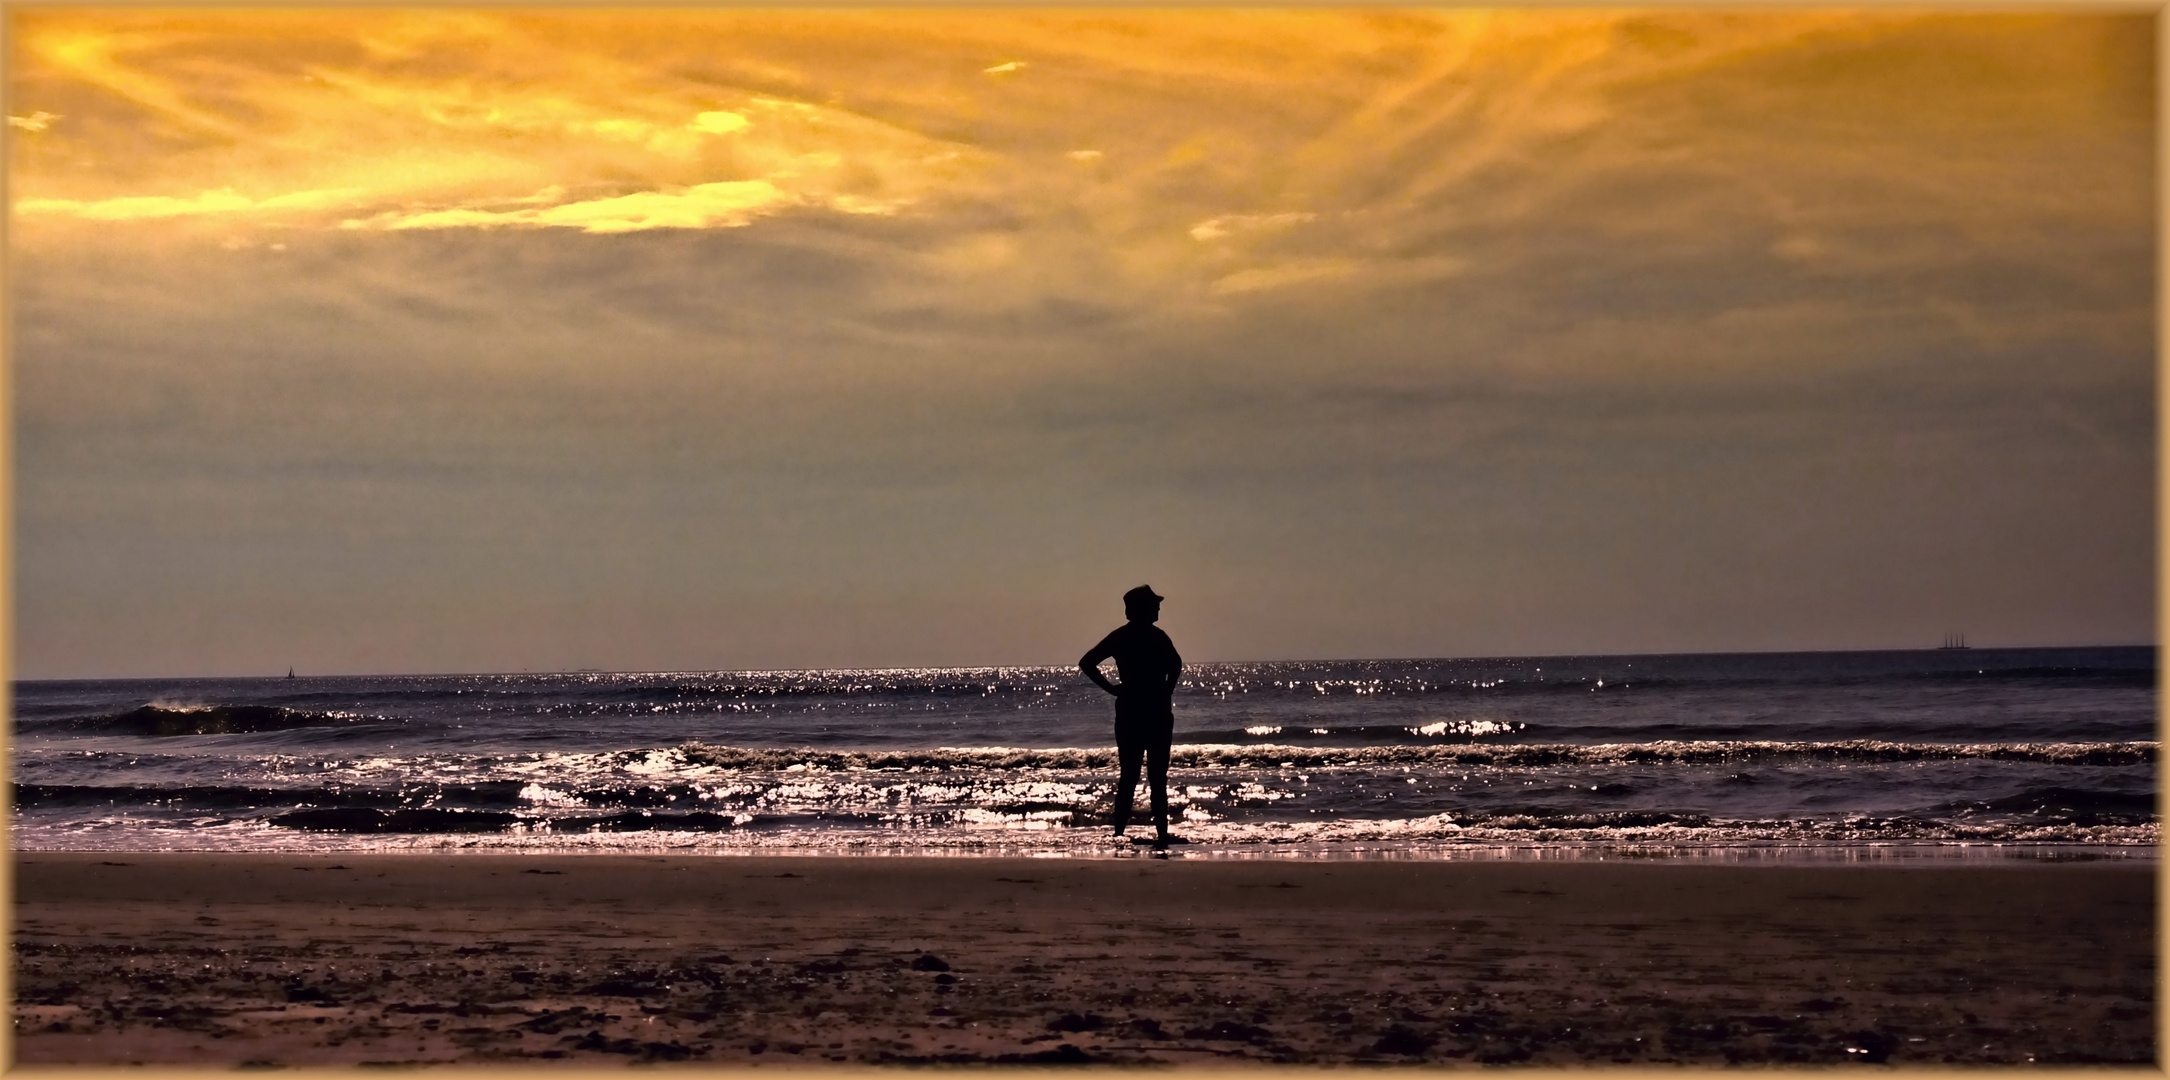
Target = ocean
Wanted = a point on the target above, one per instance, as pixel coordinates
(1938, 754)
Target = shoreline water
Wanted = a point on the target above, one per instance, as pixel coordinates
(1802, 855)
(1874, 756)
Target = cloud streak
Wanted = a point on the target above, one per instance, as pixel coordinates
(347, 133)
(703, 206)
(870, 337)
(1407, 139)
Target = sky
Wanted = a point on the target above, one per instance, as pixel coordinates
(501, 340)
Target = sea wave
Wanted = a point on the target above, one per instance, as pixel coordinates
(32, 796)
(1527, 826)
(1024, 833)
(157, 720)
(356, 819)
(1478, 728)
(1271, 755)
(2071, 803)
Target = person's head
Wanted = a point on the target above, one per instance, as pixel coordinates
(1141, 604)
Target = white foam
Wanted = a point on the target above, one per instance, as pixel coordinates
(542, 796)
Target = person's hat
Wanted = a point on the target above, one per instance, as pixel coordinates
(1141, 594)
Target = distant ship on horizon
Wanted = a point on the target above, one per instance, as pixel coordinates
(1955, 641)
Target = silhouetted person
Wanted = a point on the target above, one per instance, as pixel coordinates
(1147, 664)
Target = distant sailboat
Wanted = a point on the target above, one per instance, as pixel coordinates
(289, 673)
(1954, 641)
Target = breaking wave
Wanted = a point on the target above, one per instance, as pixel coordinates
(166, 721)
(1270, 755)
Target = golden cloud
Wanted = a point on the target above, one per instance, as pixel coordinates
(1231, 224)
(703, 206)
(349, 121)
(1283, 275)
(223, 201)
(1215, 138)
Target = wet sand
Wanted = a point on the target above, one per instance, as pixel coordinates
(226, 960)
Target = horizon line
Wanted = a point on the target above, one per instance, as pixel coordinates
(1061, 667)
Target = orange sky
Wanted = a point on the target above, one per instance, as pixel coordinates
(1389, 331)
(1210, 154)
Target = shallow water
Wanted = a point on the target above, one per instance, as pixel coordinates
(1800, 756)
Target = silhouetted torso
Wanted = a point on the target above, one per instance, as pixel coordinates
(1146, 664)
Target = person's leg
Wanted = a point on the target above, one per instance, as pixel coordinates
(1157, 774)
(1129, 752)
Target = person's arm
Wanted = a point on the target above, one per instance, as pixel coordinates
(1090, 664)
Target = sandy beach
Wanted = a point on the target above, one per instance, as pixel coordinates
(228, 960)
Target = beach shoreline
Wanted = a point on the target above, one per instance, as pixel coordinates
(608, 845)
(512, 958)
